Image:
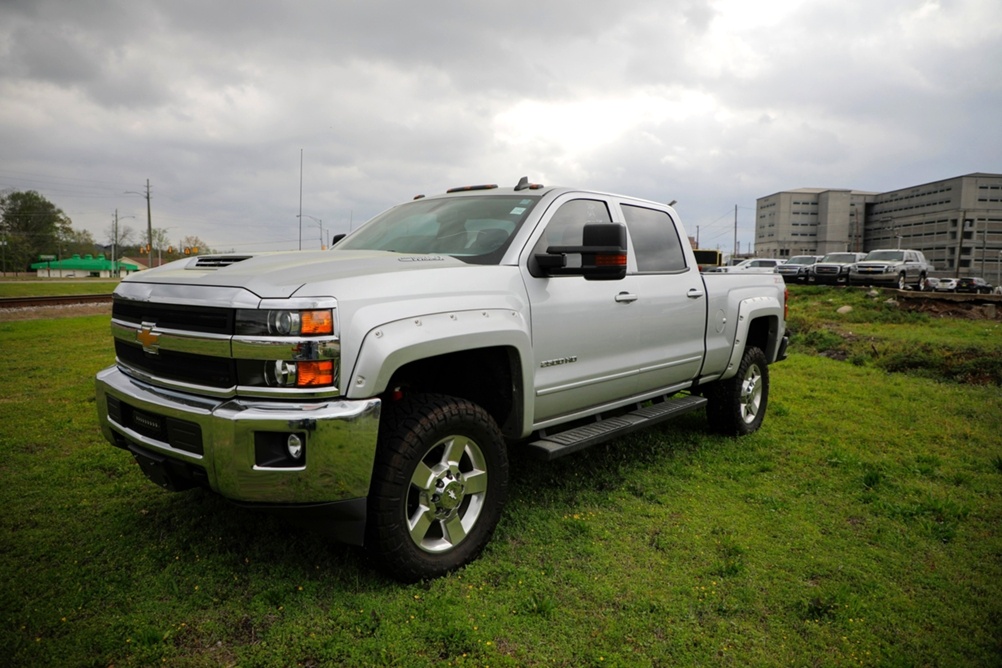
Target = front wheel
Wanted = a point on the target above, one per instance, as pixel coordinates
(902, 282)
(736, 406)
(439, 484)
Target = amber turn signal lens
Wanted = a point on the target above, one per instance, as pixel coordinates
(316, 322)
(315, 374)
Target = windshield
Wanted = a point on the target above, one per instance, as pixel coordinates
(842, 258)
(801, 259)
(886, 255)
(473, 229)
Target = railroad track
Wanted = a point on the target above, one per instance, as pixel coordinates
(62, 300)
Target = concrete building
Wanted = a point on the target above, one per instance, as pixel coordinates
(956, 223)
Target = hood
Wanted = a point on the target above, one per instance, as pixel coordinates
(280, 275)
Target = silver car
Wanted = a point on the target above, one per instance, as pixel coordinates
(894, 267)
(833, 269)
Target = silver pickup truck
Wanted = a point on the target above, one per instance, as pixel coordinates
(377, 390)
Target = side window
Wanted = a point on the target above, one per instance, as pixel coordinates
(655, 239)
(567, 224)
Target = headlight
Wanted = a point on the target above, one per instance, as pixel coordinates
(286, 349)
(253, 322)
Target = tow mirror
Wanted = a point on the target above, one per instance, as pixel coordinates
(602, 251)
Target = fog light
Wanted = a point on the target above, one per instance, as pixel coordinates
(294, 446)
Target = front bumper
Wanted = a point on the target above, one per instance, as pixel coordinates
(798, 276)
(828, 277)
(229, 446)
(874, 278)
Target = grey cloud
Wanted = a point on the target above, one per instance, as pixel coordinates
(213, 102)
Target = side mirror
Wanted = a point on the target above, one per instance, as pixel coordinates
(336, 238)
(602, 251)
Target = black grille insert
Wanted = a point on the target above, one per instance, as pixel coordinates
(182, 367)
(206, 319)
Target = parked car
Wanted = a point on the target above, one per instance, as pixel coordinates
(797, 268)
(895, 267)
(975, 285)
(833, 269)
(755, 265)
(945, 285)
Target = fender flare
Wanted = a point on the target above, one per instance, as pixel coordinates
(387, 347)
(749, 311)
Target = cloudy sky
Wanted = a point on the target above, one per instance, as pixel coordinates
(712, 103)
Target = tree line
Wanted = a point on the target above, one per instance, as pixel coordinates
(32, 226)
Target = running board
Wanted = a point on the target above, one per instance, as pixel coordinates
(551, 446)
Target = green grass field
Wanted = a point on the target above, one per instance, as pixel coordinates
(860, 526)
(56, 287)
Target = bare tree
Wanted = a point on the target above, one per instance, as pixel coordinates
(125, 235)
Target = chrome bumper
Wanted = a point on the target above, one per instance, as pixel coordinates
(224, 444)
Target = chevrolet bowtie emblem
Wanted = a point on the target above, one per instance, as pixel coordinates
(149, 339)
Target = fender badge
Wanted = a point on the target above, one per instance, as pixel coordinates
(149, 339)
(571, 359)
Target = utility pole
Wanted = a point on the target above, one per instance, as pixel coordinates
(736, 248)
(984, 247)
(149, 221)
(149, 225)
(114, 241)
(300, 199)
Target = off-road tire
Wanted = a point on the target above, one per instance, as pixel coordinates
(736, 406)
(439, 484)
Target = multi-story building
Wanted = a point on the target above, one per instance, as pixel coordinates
(956, 223)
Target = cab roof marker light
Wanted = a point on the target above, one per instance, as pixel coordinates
(466, 188)
(523, 184)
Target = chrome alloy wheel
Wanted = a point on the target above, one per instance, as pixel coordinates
(446, 494)
(750, 399)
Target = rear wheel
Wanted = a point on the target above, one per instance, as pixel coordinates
(438, 488)
(736, 406)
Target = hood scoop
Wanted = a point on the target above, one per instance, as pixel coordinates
(217, 261)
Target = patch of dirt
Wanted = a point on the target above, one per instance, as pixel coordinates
(984, 307)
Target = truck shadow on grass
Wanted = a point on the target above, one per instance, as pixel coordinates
(246, 546)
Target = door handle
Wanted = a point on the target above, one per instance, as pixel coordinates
(626, 297)
(695, 293)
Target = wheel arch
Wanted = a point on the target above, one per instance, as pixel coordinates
(760, 325)
(480, 356)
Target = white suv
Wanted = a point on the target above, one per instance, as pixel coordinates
(755, 265)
